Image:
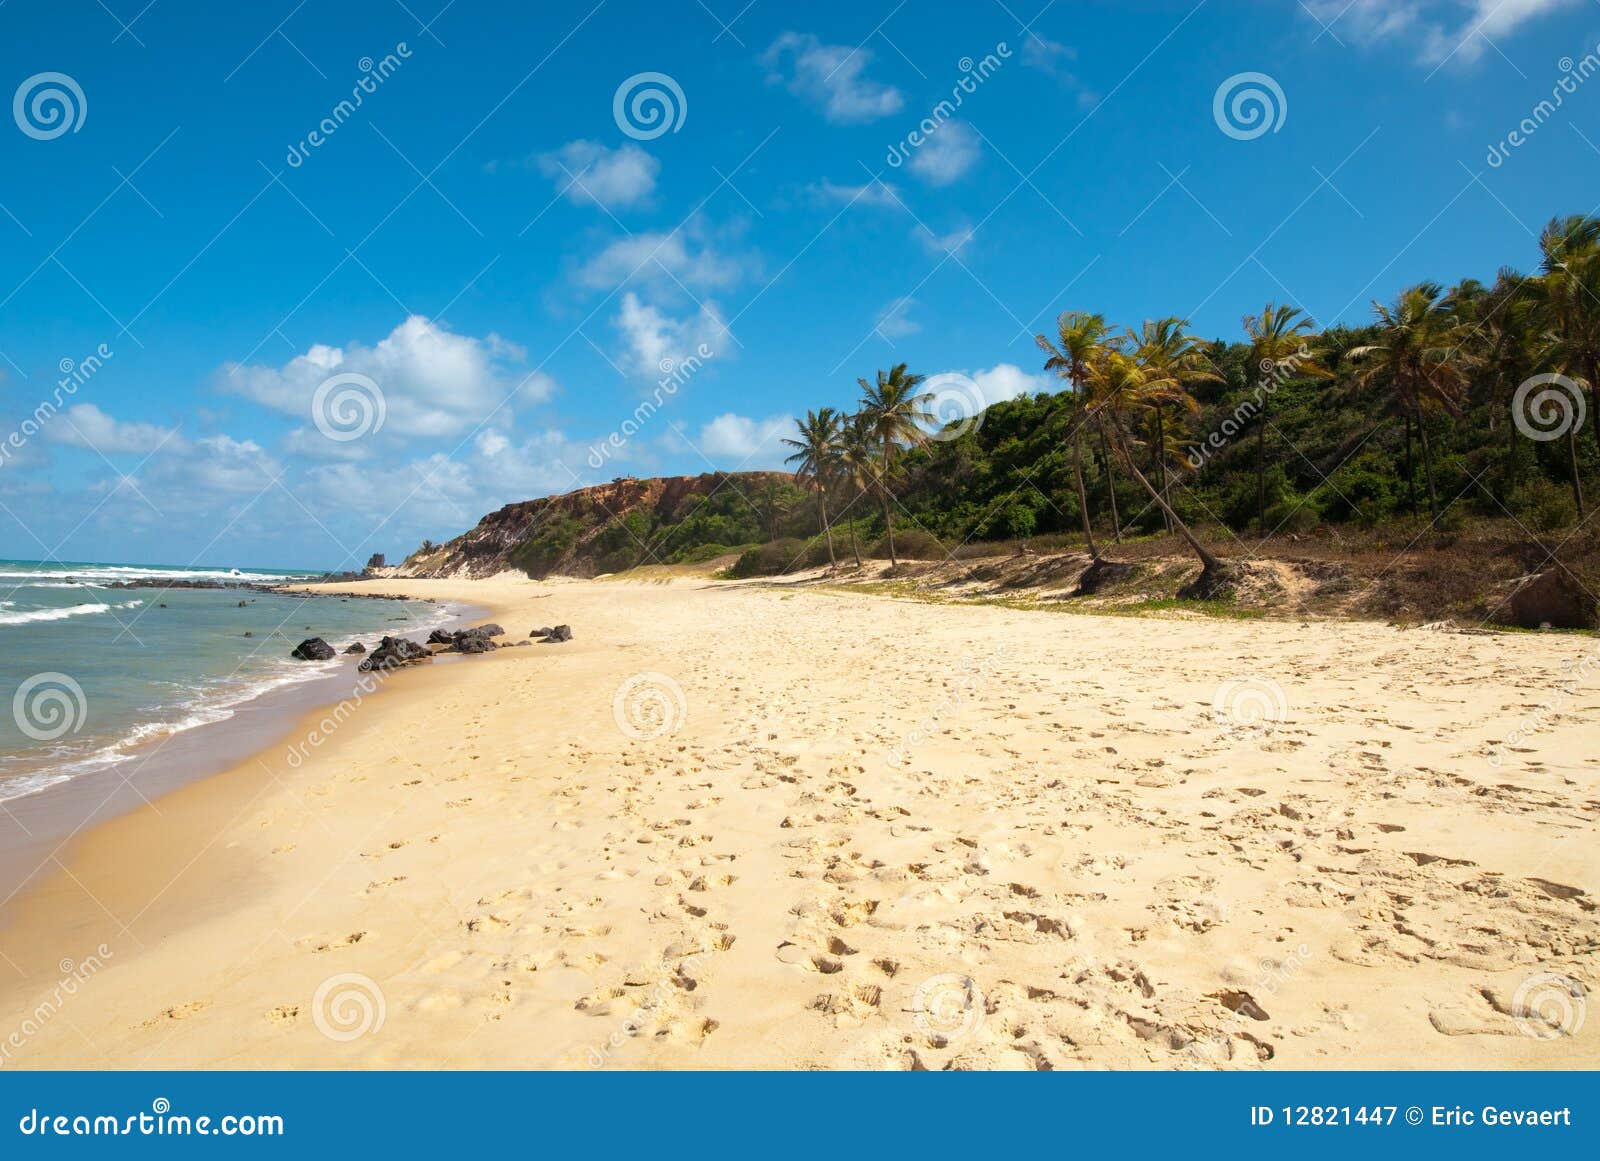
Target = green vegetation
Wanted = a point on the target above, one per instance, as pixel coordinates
(1409, 419)
(1417, 424)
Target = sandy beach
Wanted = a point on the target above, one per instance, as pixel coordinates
(870, 834)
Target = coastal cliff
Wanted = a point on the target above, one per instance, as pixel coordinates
(613, 526)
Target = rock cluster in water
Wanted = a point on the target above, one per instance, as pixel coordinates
(392, 652)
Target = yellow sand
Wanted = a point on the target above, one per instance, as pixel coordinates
(881, 834)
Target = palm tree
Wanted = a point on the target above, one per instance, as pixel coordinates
(1570, 301)
(1279, 336)
(898, 416)
(816, 454)
(1082, 340)
(1122, 388)
(1168, 353)
(1422, 361)
(857, 464)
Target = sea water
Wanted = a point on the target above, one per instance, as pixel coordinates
(88, 672)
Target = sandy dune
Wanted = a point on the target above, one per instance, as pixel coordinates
(876, 834)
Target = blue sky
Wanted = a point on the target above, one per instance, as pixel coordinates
(486, 247)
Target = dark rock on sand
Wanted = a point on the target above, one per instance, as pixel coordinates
(473, 643)
(440, 637)
(313, 649)
(1552, 597)
(559, 633)
(393, 652)
(545, 632)
(356, 647)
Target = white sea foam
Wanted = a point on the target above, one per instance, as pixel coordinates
(196, 706)
(122, 572)
(30, 616)
(34, 616)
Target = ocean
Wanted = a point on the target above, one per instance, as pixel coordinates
(89, 672)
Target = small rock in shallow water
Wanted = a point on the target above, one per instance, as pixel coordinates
(393, 652)
(356, 647)
(312, 649)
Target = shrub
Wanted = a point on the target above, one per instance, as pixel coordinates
(700, 553)
(912, 544)
(771, 559)
(1548, 506)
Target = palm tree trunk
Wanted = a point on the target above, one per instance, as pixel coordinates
(1208, 562)
(1427, 466)
(1161, 464)
(1513, 460)
(1594, 406)
(1572, 463)
(822, 503)
(1411, 472)
(1083, 496)
(883, 495)
(855, 549)
(888, 526)
(1111, 488)
(1261, 467)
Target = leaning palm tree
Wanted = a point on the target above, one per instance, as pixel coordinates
(1167, 352)
(1422, 360)
(1569, 299)
(816, 458)
(1082, 339)
(1280, 338)
(1124, 388)
(899, 417)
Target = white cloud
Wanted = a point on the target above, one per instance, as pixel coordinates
(831, 75)
(895, 322)
(433, 382)
(948, 153)
(1053, 57)
(1007, 381)
(744, 440)
(950, 243)
(215, 463)
(873, 193)
(85, 425)
(588, 173)
(1443, 29)
(694, 262)
(653, 337)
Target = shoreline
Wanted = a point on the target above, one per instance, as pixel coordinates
(514, 872)
(36, 825)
